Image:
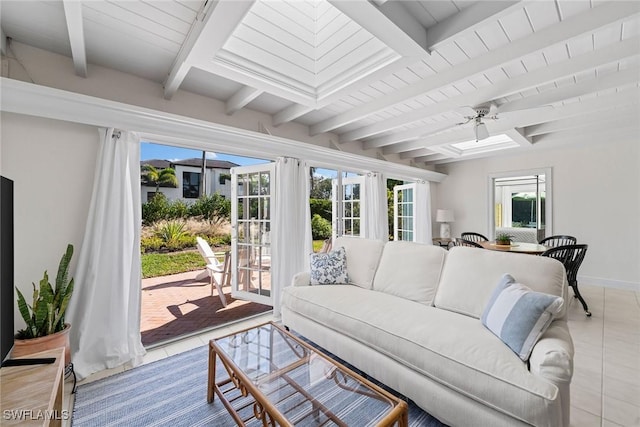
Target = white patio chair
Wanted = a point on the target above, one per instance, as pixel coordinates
(213, 266)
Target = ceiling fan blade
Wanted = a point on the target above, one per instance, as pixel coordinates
(468, 119)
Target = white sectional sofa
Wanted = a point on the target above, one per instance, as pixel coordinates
(410, 318)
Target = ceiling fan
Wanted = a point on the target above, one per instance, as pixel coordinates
(476, 115)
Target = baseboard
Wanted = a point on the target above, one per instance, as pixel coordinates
(609, 283)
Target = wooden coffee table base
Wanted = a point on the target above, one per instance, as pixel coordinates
(231, 390)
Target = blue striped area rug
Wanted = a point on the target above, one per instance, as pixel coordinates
(171, 392)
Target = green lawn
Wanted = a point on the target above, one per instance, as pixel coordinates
(154, 265)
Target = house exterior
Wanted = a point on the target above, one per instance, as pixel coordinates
(188, 174)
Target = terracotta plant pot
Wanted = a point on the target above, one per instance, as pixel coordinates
(48, 342)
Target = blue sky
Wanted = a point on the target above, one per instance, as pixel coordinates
(150, 151)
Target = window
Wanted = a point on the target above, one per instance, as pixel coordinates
(190, 185)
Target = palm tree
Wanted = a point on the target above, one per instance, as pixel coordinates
(166, 176)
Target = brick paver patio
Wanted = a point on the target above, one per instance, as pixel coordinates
(178, 304)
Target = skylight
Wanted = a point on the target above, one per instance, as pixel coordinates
(489, 143)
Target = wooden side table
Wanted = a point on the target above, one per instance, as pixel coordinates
(32, 395)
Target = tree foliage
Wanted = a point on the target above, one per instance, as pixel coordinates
(320, 228)
(321, 188)
(153, 176)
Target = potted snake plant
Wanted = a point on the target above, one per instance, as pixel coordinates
(45, 326)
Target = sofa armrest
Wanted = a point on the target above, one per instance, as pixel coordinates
(301, 279)
(552, 356)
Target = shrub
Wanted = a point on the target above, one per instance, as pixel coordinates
(221, 240)
(177, 209)
(155, 209)
(151, 244)
(214, 208)
(320, 228)
(170, 231)
(182, 242)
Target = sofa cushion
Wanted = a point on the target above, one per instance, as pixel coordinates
(456, 351)
(363, 256)
(519, 316)
(328, 268)
(470, 276)
(410, 270)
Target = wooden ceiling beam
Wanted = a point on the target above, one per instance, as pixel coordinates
(518, 135)
(591, 60)
(608, 81)
(469, 19)
(241, 98)
(390, 23)
(601, 103)
(626, 113)
(73, 16)
(3, 42)
(572, 27)
(207, 35)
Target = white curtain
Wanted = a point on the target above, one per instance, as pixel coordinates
(422, 220)
(291, 234)
(376, 209)
(105, 309)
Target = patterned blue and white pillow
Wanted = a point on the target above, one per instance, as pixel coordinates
(519, 316)
(330, 267)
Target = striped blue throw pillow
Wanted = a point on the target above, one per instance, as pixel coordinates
(519, 316)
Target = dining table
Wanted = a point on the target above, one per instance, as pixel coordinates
(516, 247)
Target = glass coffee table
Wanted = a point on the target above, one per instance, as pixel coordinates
(274, 378)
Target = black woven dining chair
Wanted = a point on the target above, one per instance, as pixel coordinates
(474, 237)
(571, 256)
(463, 242)
(559, 240)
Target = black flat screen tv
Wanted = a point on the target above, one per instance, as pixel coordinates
(6, 268)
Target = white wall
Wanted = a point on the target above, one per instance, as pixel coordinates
(596, 197)
(52, 165)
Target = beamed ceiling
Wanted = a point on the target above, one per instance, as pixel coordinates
(397, 77)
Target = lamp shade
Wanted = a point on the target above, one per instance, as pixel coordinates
(481, 131)
(444, 215)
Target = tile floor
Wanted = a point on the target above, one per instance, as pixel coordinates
(606, 384)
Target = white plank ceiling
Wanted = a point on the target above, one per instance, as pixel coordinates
(397, 77)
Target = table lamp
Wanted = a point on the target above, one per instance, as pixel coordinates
(444, 217)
